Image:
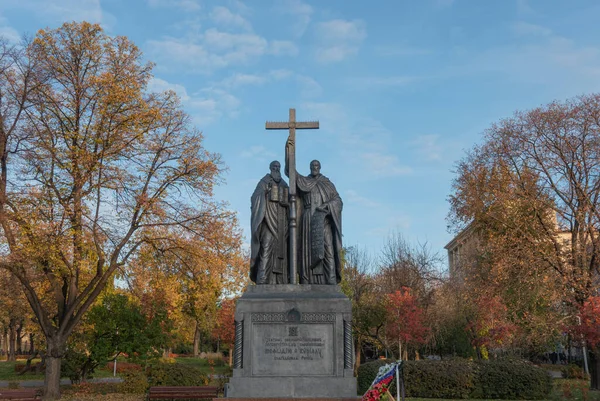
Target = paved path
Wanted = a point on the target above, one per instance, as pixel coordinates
(555, 374)
(40, 383)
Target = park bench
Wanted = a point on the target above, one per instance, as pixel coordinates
(179, 392)
(19, 394)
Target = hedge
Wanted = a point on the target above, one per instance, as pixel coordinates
(512, 380)
(459, 378)
(173, 374)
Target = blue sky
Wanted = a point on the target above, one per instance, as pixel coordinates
(401, 88)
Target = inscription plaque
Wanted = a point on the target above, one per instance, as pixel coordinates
(292, 349)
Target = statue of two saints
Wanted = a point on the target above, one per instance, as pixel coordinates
(319, 238)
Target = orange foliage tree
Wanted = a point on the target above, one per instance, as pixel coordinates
(224, 330)
(531, 192)
(93, 167)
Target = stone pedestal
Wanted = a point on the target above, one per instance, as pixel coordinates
(293, 341)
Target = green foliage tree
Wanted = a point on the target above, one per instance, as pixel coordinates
(114, 327)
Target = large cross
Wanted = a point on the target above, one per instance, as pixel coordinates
(292, 125)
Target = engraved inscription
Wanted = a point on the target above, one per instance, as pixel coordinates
(293, 350)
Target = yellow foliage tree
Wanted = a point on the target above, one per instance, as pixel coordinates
(93, 167)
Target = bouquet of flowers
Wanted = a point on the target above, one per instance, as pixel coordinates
(379, 389)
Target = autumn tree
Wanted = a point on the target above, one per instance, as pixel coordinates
(532, 188)
(403, 264)
(448, 318)
(368, 311)
(191, 274)
(224, 330)
(91, 166)
(14, 314)
(405, 324)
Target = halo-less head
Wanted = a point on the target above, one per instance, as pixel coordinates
(315, 168)
(275, 168)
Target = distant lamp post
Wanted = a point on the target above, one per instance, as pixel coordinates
(116, 354)
(585, 362)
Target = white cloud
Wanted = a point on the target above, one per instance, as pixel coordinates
(7, 32)
(58, 11)
(224, 17)
(307, 86)
(185, 55)
(444, 3)
(283, 48)
(385, 165)
(524, 9)
(401, 51)
(185, 5)
(352, 197)
(300, 12)
(205, 106)
(211, 104)
(214, 49)
(378, 81)
(526, 29)
(258, 152)
(399, 222)
(160, 85)
(548, 60)
(428, 146)
(238, 80)
(339, 39)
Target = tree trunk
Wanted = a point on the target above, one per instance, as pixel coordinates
(357, 356)
(595, 368)
(19, 339)
(52, 378)
(230, 355)
(11, 343)
(197, 340)
(31, 345)
(54, 357)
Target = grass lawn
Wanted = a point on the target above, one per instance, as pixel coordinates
(7, 371)
(203, 365)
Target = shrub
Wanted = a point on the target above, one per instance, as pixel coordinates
(134, 382)
(163, 374)
(460, 378)
(183, 348)
(572, 371)
(439, 379)
(123, 367)
(432, 379)
(511, 379)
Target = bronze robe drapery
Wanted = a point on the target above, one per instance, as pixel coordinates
(269, 235)
(320, 244)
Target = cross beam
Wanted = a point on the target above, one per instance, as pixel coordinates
(292, 125)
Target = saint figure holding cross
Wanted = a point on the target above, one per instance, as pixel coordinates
(319, 214)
